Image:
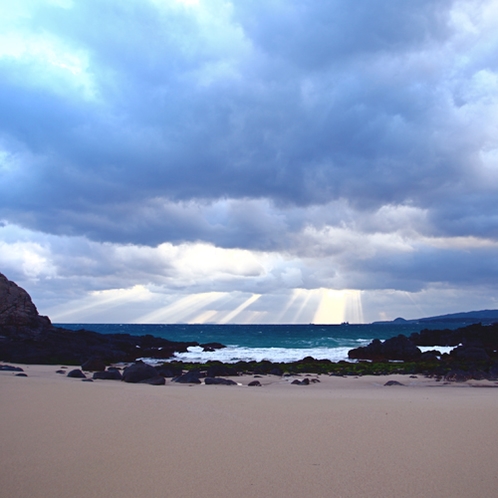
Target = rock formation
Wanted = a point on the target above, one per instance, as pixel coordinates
(19, 317)
(27, 337)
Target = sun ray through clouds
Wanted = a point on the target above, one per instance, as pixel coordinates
(181, 310)
(230, 316)
(337, 306)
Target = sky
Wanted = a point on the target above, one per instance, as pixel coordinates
(235, 161)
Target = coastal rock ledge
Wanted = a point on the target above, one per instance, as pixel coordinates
(28, 337)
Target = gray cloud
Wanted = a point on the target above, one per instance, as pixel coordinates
(311, 130)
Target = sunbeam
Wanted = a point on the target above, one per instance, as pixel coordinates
(230, 316)
(181, 310)
(99, 302)
(306, 295)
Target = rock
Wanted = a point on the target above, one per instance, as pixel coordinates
(211, 346)
(168, 370)
(86, 380)
(254, 383)
(393, 383)
(27, 337)
(219, 381)
(221, 369)
(138, 371)
(457, 375)
(110, 374)
(433, 355)
(192, 377)
(395, 348)
(304, 382)
(21, 374)
(93, 365)
(60, 371)
(11, 368)
(19, 317)
(276, 371)
(77, 374)
(493, 371)
(464, 353)
(154, 381)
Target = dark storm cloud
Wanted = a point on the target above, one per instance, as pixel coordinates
(300, 103)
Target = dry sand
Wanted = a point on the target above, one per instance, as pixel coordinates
(343, 437)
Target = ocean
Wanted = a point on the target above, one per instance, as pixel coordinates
(276, 343)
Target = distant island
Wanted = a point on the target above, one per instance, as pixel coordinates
(486, 317)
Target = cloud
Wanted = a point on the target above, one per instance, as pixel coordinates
(284, 145)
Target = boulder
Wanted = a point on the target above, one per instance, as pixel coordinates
(457, 375)
(11, 368)
(192, 377)
(138, 372)
(254, 383)
(209, 347)
(76, 374)
(395, 348)
(168, 370)
(154, 381)
(93, 365)
(109, 374)
(470, 353)
(219, 381)
(393, 383)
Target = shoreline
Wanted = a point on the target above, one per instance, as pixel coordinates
(341, 437)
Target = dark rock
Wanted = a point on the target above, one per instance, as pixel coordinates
(86, 380)
(221, 369)
(11, 368)
(254, 383)
(400, 348)
(77, 374)
(168, 370)
(493, 371)
(138, 371)
(395, 348)
(315, 381)
(457, 375)
(19, 317)
(154, 381)
(192, 377)
(21, 375)
(209, 347)
(110, 374)
(393, 383)
(304, 382)
(276, 371)
(93, 365)
(27, 337)
(371, 352)
(60, 371)
(219, 381)
(465, 353)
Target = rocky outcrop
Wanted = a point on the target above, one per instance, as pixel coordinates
(27, 337)
(396, 348)
(19, 317)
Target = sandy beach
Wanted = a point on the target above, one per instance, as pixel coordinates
(341, 437)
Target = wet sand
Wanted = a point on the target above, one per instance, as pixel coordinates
(342, 437)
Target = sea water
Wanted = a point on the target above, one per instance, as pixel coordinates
(277, 343)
